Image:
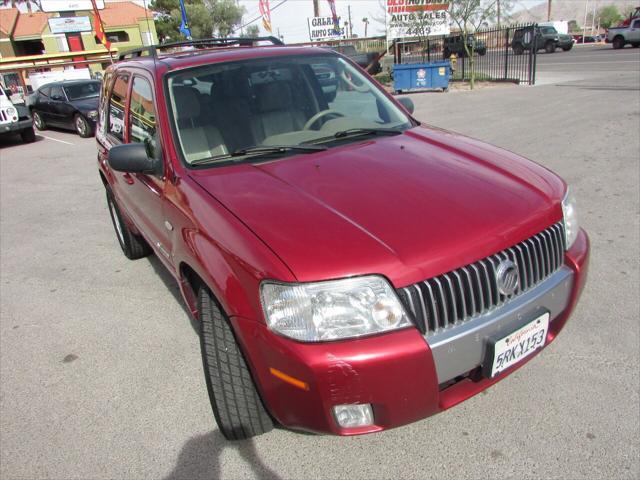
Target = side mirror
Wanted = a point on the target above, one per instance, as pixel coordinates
(407, 103)
(133, 158)
(56, 98)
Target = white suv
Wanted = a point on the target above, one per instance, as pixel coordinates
(15, 118)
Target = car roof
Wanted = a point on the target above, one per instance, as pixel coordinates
(62, 83)
(198, 57)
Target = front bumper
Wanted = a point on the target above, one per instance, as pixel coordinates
(16, 126)
(402, 376)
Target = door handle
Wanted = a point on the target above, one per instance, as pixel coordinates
(128, 178)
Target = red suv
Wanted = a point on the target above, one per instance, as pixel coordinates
(352, 270)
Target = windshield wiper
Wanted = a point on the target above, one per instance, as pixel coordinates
(355, 132)
(258, 150)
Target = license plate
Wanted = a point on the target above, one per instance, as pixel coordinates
(518, 345)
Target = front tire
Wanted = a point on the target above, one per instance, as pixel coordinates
(38, 121)
(28, 135)
(82, 126)
(567, 48)
(234, 398)
(618, 43)
(133, 246)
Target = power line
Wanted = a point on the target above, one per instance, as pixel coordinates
(259, 16)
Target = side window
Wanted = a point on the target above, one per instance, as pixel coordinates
(117, 106)
(636, 24)
(44, 91)
(142, 114)
(57, 93)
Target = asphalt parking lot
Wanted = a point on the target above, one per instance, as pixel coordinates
(100, 369)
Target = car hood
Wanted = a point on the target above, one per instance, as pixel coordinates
(86, 104)
(408, 207)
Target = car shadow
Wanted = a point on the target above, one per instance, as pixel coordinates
(13, 140)
(172, 285)
(200, 458)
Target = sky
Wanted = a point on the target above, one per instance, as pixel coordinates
(291, 16)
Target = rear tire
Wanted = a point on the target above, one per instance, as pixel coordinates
(28, 135)
(518, 50)
(549, 47)
(235, 401)
(39, 122)
(618, 43)
(133, 246)
(82, 126)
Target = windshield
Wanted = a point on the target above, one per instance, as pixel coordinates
(228, 108)
(77, 91)
(548, 30)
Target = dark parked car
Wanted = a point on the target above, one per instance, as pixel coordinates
(540, 37)
(455, 45)
(71, 104)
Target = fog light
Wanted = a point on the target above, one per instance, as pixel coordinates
(349, 416)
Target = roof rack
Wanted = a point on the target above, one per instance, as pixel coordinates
(152, 50)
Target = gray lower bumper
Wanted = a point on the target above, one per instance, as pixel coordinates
(462, 348)
(16, 126)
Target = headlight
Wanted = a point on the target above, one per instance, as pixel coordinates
(571, 226)
(93, 114)
(315, 312)
(11, 111)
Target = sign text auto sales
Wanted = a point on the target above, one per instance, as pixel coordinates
(411, 18)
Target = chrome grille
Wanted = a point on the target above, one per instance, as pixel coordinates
(470, 291)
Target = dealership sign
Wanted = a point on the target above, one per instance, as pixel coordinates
(323, 28)
(416, 18)
(69, 5)
(70, 24)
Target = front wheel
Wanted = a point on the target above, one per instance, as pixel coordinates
(82, 126)
(567, 48)
(618, 43)
(28, 135)
(635, 45)
(234, 398)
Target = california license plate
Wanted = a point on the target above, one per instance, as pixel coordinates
(518, 345)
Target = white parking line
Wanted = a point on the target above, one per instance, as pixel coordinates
(56, 140)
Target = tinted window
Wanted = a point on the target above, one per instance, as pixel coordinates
(56, 93)
(142, 115)
(117, 106)
(548, 30)
(636, 24)
(77, 91)
(44, 91)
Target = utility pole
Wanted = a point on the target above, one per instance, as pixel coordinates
(350, 24)
(316, 8)
(498, 5)
(549, 11)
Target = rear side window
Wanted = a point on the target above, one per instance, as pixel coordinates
(142, 115)
(117, 106)
(57, 93)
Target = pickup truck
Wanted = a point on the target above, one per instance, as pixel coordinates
(621, 36)
(368, 61)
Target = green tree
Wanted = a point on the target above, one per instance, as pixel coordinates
(609, 16)
(206, 18)
(469, 16)
(252, 31)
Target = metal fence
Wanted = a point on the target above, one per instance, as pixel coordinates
(494, 58)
